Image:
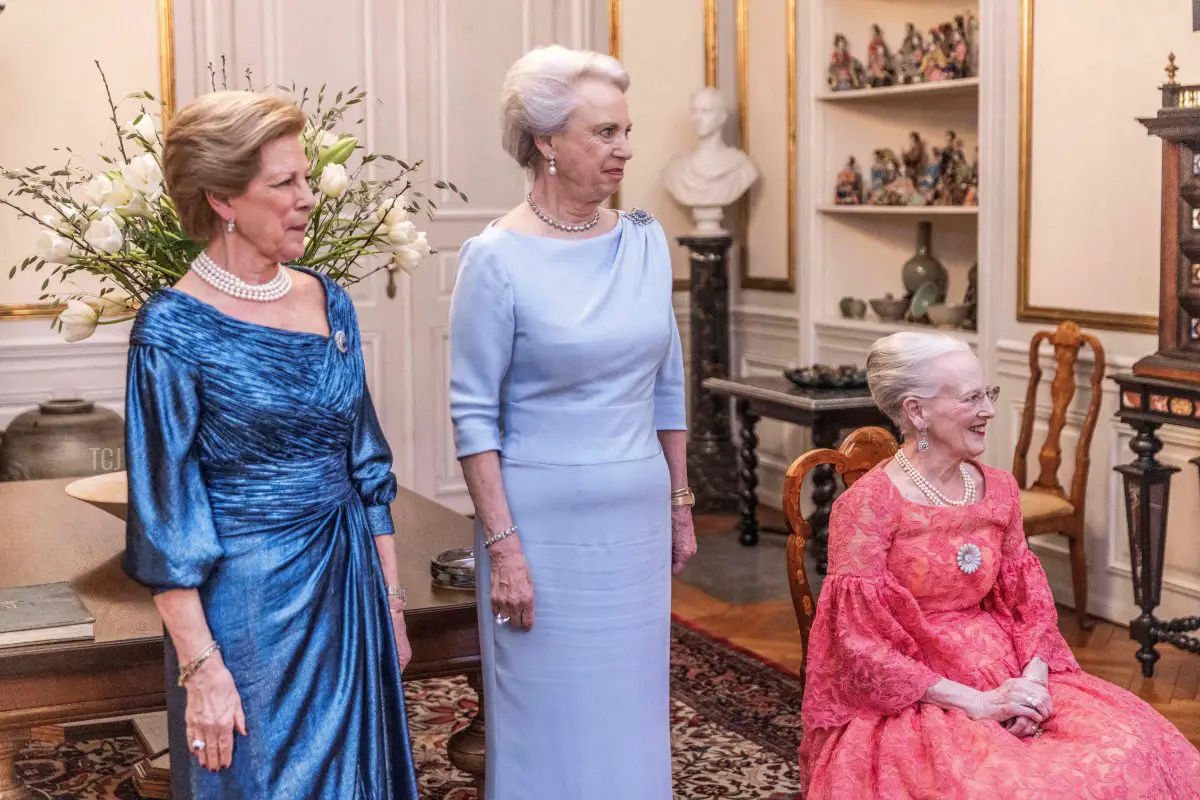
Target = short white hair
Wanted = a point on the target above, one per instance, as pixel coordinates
(539, 95)
(898, 368)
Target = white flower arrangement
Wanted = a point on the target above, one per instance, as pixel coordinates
(117, 224)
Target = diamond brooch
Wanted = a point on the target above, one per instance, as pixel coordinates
(339, 339)
(969, 558)
(639, 216)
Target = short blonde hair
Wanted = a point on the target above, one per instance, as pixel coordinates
(538, 97)
(898, 368)
(215, 145)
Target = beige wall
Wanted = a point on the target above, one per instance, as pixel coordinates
(1095, 188)
(662, 46)
(51, 95)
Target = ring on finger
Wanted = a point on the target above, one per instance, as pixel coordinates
(501, 619)
(197, 745)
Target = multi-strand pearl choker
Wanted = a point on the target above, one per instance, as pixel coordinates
(932, 492)
(225, 281)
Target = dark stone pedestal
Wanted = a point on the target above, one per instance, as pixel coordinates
(712, 465)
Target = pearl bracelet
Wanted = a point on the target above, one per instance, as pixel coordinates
(495, 537)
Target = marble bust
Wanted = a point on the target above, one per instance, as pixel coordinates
(713, 174)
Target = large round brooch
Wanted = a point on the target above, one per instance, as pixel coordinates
(339, 339)
(969, 558)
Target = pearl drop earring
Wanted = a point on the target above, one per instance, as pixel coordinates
(553, 170)
(229, 226)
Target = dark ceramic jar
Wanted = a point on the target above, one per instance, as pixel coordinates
(62, 439)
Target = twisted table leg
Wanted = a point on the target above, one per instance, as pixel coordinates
(748, 474)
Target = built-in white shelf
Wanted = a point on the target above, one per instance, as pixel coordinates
(901, 211)
(880, 328)
(962, 87)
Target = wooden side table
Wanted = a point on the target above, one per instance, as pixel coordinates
(47, 536)
(826, 411)
(1146, 405)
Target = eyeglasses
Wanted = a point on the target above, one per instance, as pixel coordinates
(975, 399)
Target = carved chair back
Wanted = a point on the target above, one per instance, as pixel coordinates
(1067, 341)
(862, 450)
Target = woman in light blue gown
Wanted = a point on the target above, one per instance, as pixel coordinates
(568, 405)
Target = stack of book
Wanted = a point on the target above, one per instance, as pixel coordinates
(49, 612)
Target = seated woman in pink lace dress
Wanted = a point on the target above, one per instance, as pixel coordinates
(936, 667)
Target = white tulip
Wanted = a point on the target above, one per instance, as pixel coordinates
(135, 207)
(391, 211)
(327, 139)
(402, 234)
(144, 175)
(97, 189)
(78, 320)
(52, 248)
(334, 180)
(143, 126)
(407, 258)
(117, 196)
(104, 234)
(421, 244)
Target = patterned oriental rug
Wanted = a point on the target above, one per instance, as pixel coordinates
(735, 727)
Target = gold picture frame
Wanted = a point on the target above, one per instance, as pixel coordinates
(166, 78)
(1026, 310)
(748, 281)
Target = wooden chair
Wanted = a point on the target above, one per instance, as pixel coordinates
(862, 450)
(1045, 506)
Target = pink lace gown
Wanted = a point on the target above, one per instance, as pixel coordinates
(896, 615)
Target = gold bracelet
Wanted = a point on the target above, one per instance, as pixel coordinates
(681, 492)
(189, 669)
(688, 499)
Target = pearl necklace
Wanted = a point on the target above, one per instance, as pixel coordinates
(225, 281)
(562, 226)
(932, 492)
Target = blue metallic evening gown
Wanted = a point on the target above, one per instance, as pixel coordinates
(258, 474)
(565, 357)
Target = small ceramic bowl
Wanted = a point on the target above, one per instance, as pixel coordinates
(889, 309)
(948, 315)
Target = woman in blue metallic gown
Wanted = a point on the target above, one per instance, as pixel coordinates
(259, 487)
(567, 398)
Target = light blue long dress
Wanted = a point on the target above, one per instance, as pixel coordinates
(565, 357)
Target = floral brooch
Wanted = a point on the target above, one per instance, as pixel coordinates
(639, 216)
(969, 558)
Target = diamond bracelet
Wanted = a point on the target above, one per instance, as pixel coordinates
(495, 537)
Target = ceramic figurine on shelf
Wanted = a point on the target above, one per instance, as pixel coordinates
(849, 190)
(885, 170)
(933, 65)
(951, 173)
(970, 188)
(927, 186)
(958, 64)
(914, 155)
(972, 37)
(972, 298)
(881, 68)
(902, 191)
(845, 71)
(911, 56)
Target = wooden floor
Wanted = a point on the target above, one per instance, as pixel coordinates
(769, 630)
